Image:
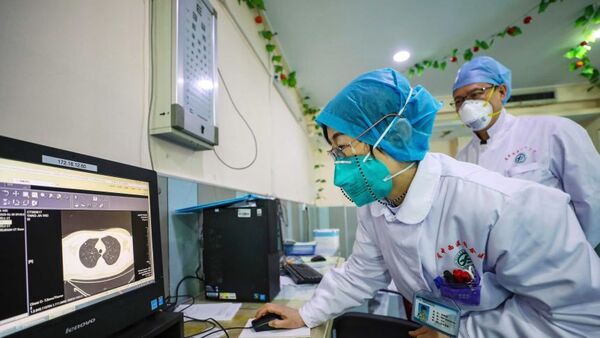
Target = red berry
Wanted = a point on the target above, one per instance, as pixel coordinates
(579, 64)
(527, 20)
(282, 76)
(453, 59)
(583, 43)
(476, 49)
(258, 19)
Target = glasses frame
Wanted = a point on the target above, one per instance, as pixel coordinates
(471, 96)
(338, 152)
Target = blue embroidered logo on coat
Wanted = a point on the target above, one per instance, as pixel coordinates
(520, 158)
(521, 155)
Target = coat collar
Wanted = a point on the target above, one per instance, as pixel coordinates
(420, 195)
(504, 122)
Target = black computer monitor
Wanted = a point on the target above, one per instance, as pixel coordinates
(79, 243)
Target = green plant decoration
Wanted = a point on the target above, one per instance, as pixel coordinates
(480, 44)
(580, 62)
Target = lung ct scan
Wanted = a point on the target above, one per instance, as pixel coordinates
(98, 258)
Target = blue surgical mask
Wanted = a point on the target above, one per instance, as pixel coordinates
(364, 180)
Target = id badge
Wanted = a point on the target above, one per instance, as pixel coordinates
(437, 313)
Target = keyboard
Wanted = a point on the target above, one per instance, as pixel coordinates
(302, 273)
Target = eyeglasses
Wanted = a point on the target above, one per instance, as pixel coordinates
(475, 94)
(338, 152)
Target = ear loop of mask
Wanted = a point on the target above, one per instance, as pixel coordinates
(389, 177)
(409, 97)
(487, 101)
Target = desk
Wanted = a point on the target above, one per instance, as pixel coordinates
(293, 296)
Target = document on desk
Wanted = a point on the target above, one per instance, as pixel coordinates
(220, 311)
(296, 292)
(296, 333)
(285, 280)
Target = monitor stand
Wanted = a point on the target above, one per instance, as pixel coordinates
(158, 325)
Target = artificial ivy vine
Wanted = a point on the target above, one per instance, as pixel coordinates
(286, 77)
(579, 54)
(483, 44)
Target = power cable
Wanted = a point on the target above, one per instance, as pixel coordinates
(247, 124)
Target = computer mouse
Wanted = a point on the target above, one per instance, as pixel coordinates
(262, 323)
(318, 258)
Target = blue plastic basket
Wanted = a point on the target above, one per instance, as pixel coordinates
(299, 249)
(469, 294)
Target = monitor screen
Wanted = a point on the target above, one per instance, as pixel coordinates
(70, 237)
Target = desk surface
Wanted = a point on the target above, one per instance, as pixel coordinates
(290, 295)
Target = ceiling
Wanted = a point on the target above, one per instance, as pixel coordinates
(329, 42)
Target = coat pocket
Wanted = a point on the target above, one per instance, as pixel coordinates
(534, 172)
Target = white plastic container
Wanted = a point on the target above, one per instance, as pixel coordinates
(328, 241)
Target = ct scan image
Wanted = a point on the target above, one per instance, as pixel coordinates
(97, 252)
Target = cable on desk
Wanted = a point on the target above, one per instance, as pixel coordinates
(171, 305)
(192, 319)
(212, 321)
(193, 300)
(214, 324)
(225, 330)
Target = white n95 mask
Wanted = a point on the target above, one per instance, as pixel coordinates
(476, 114)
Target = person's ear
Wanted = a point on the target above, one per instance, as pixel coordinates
(378, 152)
(502, 91)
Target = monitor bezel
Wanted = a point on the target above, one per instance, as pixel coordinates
(111, 315)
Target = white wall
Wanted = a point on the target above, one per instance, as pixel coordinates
(593, 129)
(74, 75)
(444, 147)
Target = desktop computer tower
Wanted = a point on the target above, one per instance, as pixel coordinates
(242, 249)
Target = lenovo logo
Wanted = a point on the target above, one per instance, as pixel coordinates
(80, 325)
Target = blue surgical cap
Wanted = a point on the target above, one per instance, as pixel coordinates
(377, 93)
(483, 69)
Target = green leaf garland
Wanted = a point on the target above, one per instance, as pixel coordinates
(591, 14)
(579, 54)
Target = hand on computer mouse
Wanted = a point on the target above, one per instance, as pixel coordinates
(262, 323)
(290, 317)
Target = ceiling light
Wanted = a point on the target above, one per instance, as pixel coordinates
(401, 56)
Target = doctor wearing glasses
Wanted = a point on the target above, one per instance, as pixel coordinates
(550, 150)
(496, 257)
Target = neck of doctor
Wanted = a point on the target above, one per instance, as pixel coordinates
(400, 183)
(483, 134)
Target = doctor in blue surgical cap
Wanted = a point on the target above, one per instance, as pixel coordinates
(509, 254)
(550, 150)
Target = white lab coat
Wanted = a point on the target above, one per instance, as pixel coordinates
(540, 277)
(550, 150)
